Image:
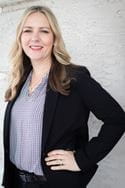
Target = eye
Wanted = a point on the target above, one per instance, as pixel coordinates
(44, 31)
(27, 31)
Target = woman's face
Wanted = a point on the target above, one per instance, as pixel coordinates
(37, 38)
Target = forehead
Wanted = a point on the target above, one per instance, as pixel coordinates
(37, 19)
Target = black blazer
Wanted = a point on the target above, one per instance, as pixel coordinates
(65, 127)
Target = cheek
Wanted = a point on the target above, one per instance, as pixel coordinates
(49, 41)
(24, 41)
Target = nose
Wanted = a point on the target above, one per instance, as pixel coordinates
(35, 36)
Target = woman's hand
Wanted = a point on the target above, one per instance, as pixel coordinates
(62, 160)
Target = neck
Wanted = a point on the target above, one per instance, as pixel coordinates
(41, 68)
(39, 71)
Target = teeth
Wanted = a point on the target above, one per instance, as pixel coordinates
(36, 47)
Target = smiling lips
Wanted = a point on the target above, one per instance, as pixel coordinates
(36, 47)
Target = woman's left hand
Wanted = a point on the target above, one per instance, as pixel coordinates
(62, 160)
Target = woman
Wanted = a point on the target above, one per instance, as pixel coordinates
(46, 140)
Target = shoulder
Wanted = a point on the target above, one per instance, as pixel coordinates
(81, 78)
(78, 71)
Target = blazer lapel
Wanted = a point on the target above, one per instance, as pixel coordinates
(7, 123)
(49, 109)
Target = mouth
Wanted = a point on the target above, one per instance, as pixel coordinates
(35, 47)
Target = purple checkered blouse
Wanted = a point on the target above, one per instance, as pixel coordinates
(26, 127)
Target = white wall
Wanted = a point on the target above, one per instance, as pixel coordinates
(94, 33)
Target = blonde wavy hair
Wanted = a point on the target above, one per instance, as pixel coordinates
(59, 77)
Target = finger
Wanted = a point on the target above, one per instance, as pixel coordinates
(54, 157)
(60, 167)
(55, 162)
(56, 152)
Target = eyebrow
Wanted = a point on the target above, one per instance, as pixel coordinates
(29, 27)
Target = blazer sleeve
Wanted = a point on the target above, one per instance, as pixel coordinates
(105, 108)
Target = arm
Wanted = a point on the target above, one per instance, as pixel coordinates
(105, 108)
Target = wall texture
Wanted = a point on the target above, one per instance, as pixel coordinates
(94, 33)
